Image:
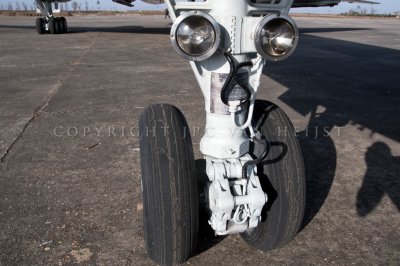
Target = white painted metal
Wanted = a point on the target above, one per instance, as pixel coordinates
(236, 201)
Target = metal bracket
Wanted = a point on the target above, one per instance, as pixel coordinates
(236, 202)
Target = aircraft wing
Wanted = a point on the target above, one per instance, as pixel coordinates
(296, 3)
(129, 2)
(319, 3)
(153, 1)
(361, 2)
(124, 2)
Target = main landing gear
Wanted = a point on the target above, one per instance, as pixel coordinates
(48, 23)
(52, 25)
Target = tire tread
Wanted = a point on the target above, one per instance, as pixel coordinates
(169, 180)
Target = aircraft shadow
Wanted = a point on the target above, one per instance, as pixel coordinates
(120, 29)
(17, 27)
(339, 83)
(321, 30)
(158, 30)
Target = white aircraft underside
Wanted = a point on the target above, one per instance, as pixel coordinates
(54, 25)
(296, 3)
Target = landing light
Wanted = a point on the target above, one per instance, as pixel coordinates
(195, 35)
(276, 37)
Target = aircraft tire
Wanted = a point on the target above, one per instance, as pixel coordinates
(52, 25)
(169, 185)
(40, 27)
(282, 176)
(64, 25)
(58, 26)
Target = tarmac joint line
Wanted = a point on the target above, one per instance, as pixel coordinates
(54, 91)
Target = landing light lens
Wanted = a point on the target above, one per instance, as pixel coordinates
(195, 36)
(277, 37)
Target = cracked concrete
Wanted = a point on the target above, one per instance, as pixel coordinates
(52, 90)
(70, 189)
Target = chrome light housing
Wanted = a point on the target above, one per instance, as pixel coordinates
(276, 37)
(195, 35)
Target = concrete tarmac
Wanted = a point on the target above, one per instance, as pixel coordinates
(70, 167)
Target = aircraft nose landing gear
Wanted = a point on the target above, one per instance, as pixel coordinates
(254, 166)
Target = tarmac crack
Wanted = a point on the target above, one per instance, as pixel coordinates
(5, 155)
(54, 91)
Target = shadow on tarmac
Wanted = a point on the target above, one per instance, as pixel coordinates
(382, 177)
(338, 83)
(121, 29)
(159, 30)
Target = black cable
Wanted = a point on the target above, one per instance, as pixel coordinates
(233, 75)
(267, 148)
